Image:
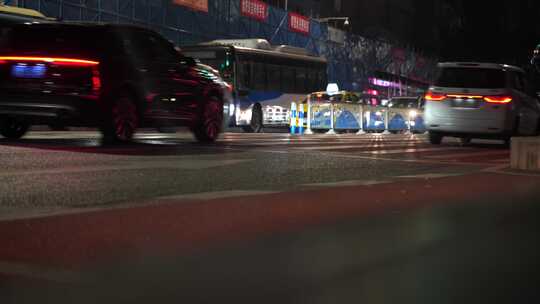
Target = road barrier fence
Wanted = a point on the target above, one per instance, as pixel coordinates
(343, 117)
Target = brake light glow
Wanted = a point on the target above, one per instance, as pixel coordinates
(498, 99)
(466, 96)
(55, 60)
(434, 97)
(96, 80)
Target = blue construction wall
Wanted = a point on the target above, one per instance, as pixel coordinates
(349, 63)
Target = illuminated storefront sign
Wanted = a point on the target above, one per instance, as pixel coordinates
(384, 83)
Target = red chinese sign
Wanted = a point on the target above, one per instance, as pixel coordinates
(254, 8)
(299, 23)
(199, 5)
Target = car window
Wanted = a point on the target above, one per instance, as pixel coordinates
(479, 78)
(259, 76)
(148, 47)
(517, 81)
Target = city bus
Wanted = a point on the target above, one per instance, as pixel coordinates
(15, 15)
(264, 79)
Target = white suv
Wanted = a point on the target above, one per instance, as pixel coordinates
(480, 100)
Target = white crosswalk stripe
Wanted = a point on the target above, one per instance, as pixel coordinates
(411, 150)
(378, 146)
(371, 145)
(348, 147)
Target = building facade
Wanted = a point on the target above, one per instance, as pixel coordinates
(351, 62)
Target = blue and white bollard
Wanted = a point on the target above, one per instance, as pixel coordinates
(331, 131)
(308, 130)
(301, 115)
(386, 122)
(361, 131)
(293, 118)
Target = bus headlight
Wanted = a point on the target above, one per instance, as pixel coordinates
(413, 114)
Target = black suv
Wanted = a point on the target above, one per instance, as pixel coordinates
(114, 77)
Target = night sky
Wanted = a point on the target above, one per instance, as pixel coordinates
(500, 31)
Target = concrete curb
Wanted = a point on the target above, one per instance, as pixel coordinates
(525, 153)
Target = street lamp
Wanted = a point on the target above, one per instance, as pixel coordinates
(345, 20)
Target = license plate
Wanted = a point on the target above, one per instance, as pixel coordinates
(28, 71)
(465, 103)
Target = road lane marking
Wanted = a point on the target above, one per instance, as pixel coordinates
(215, 195)
(431, 175)
(348, 183)
(358, 146)
(411, 150)
(182, 164)
(38, 272)
(19, 214)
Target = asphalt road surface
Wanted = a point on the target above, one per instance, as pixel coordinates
(264, 218)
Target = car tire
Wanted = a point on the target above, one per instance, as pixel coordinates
(256, 123)
(435, 138)
(209, 127)
(13, 128)
(122, 120)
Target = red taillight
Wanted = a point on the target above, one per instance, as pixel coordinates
(3, 61)
(498, 99)
(53, 60)
(96, 80)
(434, 97)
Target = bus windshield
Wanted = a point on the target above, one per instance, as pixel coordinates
(220, 60)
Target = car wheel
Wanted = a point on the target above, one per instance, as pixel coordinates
(13, 128)
(256, 123)
(211, 121)
(123, 120)
(435, 138)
